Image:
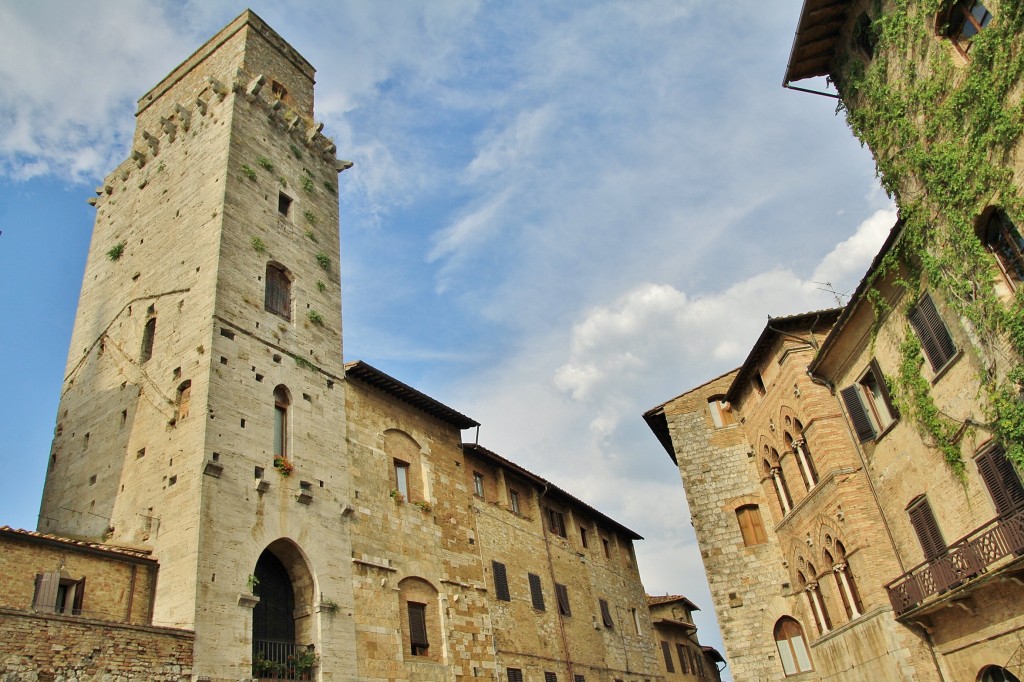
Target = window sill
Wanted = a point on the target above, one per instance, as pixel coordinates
(941, 372)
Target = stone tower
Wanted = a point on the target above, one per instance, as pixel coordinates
(202, 413)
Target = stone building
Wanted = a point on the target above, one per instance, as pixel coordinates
(683, 657)
(82, 610)
(869, 514)
(310, 518)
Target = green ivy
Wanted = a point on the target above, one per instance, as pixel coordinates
(942, 131)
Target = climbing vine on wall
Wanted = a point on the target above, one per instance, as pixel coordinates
(943, 130)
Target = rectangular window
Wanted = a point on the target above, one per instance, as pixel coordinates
(515, 675)
(54, 594)
(868, 404)
(536, 594)
(684, 663)
(556, 522)
(636, 619)
(606, 614)
(562, 596)
(513, 500)
(927, 528)
(148, 335)
(751, 527)
(607, 548)
(418, 629)
(550, 676)
(402, 478)
(966, 19)
(478, 484)
(500, 581)
(284, 203)
(1001, 479)
(721, 412)
(579, 678)
(278, 294)
(667, 653)
(583, 537)
(935, 339)
(1003, 241)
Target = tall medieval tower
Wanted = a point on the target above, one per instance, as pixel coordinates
(202, 413)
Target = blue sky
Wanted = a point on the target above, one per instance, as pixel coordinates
(560, 215)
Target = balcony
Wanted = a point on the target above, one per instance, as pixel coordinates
(966, 559)
(282, 660)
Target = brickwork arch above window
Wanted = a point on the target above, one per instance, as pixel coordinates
(418, 610)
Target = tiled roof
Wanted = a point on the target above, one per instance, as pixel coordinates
(671, 598)
(817, 34)
(17, 533)
(372, 376)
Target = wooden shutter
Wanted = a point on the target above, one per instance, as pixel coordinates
(1001, 479)
(684, 663)
(515, 675)
(277, 298)
(418, 625)
(579, 678)
(535, 591)
(46, 592)
(562, 595)
(883, 388)
(927, 529)
(500, 581)
(667, 653)
(76, 602)
(858, 415)
(606, 614)
(935, 339)
(550, 676)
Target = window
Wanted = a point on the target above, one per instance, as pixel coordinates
(583, 537)
(927, 529)
(514, 675)
(536, 594)
(278, 90)
(606, 615)
(579, 678)
(995, 673)
(281, 403)
(284, 203)
(556, 522)
(935, 339)
(478, 484)
(418, 628)
(278, 295)
(721, 411)
(513, 499)
(550, 676)
(1004, 242)
(606, 546)
(758, 383)
(803, 458)
(815, 601)
(500, 581)
(148, 334)
(562, 596)
(684, 662)
(402, 478)
(845, 583)
(1000, 478)
(751, 527)
(868, 404)
(57, 594)
(183, 400)
(773, 470)
(636, 619)
(864, 36)
(789, 638)
(965, 20)
(667, 653)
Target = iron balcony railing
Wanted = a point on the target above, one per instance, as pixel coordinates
(281, 660)
(965, 559)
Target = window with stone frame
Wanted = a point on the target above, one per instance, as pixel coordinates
(869, 405)
(751, 526)
(282, 401)
(1002, 239)
(550, 676)
(278, 293)
(402, 478)
(418, 628)
(514, 674)
(962, 21)
(936, 342)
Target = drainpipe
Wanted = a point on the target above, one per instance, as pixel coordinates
(551, 571)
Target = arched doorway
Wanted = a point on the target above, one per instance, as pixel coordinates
(282, 630)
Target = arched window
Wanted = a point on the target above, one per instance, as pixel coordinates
(404, 455)
(845, 582)
(789, 638)
(773, 469)
(419, 613)
(281, 628)
(281, 403)
(183, 400)
(278, 296)
(995, 673)
(805, 461)
(817, 604)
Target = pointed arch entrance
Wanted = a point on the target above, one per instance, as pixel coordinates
(283, 646)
